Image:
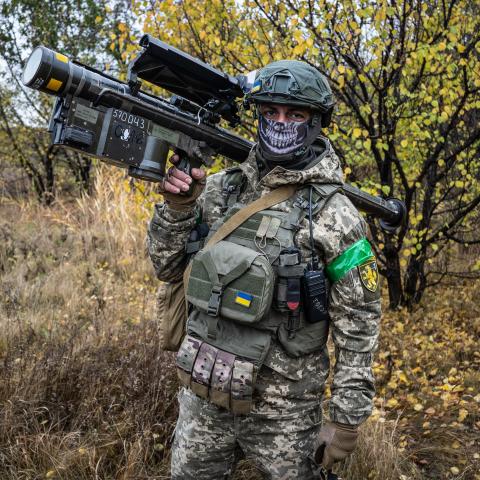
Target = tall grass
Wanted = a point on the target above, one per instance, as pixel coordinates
(85, 391)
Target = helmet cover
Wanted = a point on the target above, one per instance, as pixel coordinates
(291, 82)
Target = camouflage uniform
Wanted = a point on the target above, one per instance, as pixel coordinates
(279, 433)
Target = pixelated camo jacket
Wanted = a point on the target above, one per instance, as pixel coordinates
(354, 310)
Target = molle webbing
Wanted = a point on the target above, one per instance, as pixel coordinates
(352, 257)
(273, 198)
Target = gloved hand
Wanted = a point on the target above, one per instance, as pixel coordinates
(334, 443)
(177, 182)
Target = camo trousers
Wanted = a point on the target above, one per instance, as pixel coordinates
(277, 435)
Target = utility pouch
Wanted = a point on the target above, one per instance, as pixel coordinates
(186, 356)
(231, 281)
(242, 387)
(202, 370)
(171, 315)
(214, 374)
(311, 337)
(288, 269)
(222, 379)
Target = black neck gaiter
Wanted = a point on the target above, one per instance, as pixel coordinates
(265, 165)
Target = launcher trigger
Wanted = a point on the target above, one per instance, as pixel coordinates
(184, 164)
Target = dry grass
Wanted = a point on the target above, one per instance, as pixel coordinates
(85, 392)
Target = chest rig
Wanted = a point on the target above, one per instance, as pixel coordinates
(243, 291)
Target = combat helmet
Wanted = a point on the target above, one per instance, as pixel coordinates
(294, 83)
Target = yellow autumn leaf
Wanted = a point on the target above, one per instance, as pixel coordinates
(392, 403)
(400, 327)
(357, 132)
(299, 49)
(462, 414)
(50, 474)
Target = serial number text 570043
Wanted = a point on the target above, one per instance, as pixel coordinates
(129, 118)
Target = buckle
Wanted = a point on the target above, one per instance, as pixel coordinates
(229, 189)
(300, 202)
(215, 300)
(303, 203)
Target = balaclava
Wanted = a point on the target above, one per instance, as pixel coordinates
(287, 144)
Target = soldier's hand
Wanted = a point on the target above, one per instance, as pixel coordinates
(180, 190)
(334, 443)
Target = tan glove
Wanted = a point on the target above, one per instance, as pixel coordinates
(334, 443)
(185, 202)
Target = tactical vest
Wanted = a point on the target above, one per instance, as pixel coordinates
(239, 292)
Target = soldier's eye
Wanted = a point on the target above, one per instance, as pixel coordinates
(299, 116)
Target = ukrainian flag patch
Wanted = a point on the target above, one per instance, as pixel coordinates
(256, 86)
(244, 299)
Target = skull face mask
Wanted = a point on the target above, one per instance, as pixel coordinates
(280, 138)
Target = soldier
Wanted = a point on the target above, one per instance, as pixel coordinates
(273, 362)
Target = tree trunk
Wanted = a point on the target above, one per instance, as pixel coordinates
(394, 279)
(414, 281)
(49, 192)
